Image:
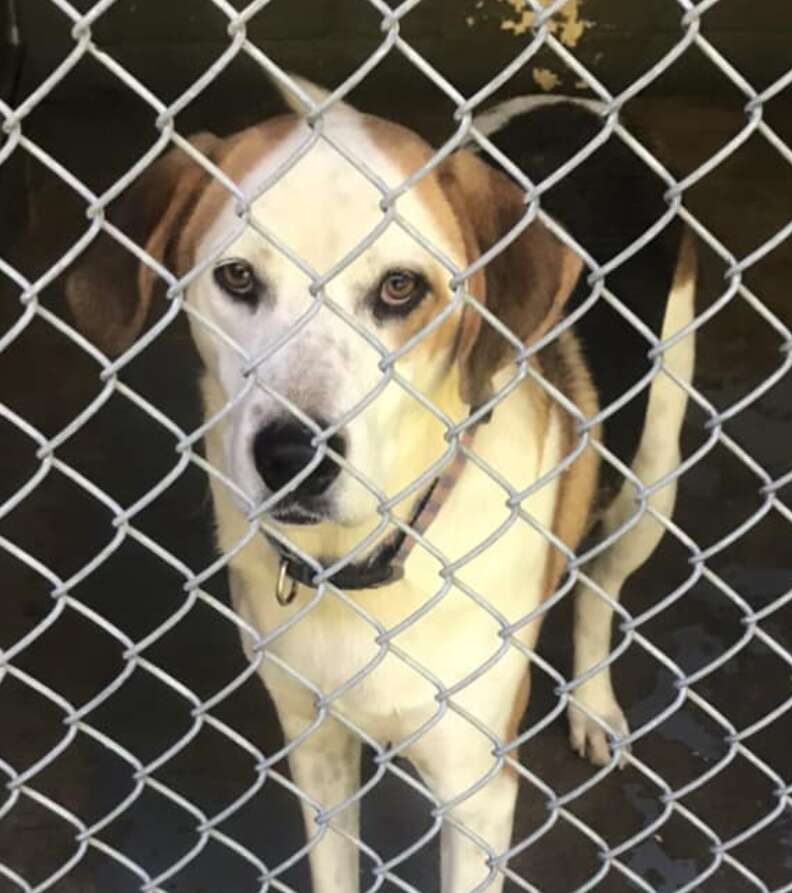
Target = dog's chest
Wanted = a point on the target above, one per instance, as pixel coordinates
(388, 683)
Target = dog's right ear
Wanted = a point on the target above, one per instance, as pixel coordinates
(109, 291)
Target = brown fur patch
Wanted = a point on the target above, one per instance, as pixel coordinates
(106, 292)
(165, 213)
(526, 283)
(518, 708)
(239, 155)
(410, 153)
(564, 365)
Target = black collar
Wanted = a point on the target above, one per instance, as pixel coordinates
(386, 563)
(378, 569)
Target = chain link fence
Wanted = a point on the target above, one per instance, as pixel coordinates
(613, 867)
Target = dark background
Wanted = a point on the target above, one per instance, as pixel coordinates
(97, 129)
(168, 44)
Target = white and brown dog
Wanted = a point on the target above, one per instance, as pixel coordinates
(339, 432)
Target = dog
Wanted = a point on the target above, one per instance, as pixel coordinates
(378, 407)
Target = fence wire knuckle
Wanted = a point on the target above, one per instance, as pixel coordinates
(156, 775)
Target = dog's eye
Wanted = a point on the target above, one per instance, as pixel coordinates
(398, 292)
(236, 278)
(398, 287)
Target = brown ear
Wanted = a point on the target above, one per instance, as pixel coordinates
(110, 291)
(525, 285)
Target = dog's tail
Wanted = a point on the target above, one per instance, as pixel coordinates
(300, 95)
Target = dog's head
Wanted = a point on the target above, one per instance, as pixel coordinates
(322, 360)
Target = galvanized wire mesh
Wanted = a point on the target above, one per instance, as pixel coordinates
(21, 782)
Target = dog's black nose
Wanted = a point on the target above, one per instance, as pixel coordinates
(283, 448)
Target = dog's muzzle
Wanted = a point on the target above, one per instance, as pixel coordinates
(281, 450)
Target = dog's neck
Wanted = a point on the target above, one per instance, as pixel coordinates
(384, 563)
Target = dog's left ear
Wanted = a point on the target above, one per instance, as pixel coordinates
(525, 286)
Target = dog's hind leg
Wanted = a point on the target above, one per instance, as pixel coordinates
(658, 455)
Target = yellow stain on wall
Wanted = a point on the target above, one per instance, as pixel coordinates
(546, 79)
(567, 24)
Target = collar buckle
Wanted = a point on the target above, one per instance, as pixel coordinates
(286, 587)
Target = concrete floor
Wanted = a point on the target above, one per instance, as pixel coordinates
(48, 381)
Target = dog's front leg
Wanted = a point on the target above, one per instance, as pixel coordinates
(326, 768)
(453, 759)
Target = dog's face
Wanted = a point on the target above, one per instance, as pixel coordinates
(319, 358)
(325, 326)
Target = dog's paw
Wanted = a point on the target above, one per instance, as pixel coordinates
(589, 739)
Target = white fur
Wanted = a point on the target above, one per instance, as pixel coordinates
(498, 116)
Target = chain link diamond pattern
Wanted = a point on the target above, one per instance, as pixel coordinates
(22, 784)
